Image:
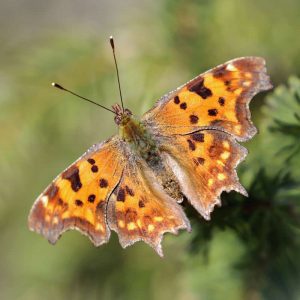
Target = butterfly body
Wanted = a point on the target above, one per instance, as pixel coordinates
(144, 146)
(185, 146)
(139, 140)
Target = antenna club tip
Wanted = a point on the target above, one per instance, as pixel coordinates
(111, 40)
(54, 84)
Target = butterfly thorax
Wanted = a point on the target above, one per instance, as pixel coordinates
(141, 142)
(144, 146)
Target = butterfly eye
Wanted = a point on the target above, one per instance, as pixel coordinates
(118, 119)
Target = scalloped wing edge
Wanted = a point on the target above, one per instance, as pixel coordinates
(54, 235)
(262, 84)
(156, 245)
(236, 186)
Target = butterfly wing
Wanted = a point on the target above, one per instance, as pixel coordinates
(139, 209)
(205, 163)
(217, 99)
(77, 198)
(196, 127)
(107, 189)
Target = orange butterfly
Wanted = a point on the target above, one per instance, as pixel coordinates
(185, 146)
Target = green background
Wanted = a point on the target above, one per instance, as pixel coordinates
(160, 45)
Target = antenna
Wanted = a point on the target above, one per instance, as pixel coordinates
(112, 43)
(66, 90)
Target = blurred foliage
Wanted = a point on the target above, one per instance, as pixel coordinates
(284, 125)
(249, 248)
(268, 222)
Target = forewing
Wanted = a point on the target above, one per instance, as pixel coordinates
(217, 99)
(77, 198)
(204, 163)
(140, 210)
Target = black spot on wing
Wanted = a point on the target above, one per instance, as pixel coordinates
(62, 204)
(78, 202)
(212, 112)
(200, 89)
(221, 101)
(103, 183)
(194, 119)
(91, 198)
(198, 137)
(191, 145)
(94, 169)
(176, 100)
(91, 161)
(141, 204)
(121, 195)
(183, 106)
(199, 161)
(72, 174)
(129, 191)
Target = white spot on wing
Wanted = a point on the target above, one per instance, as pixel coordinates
(44, 200)
(231, 67)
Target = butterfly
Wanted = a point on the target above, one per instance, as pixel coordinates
(185, 147)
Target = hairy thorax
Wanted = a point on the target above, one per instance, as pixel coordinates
(144, 145)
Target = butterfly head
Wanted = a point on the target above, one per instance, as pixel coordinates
(121, 117)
